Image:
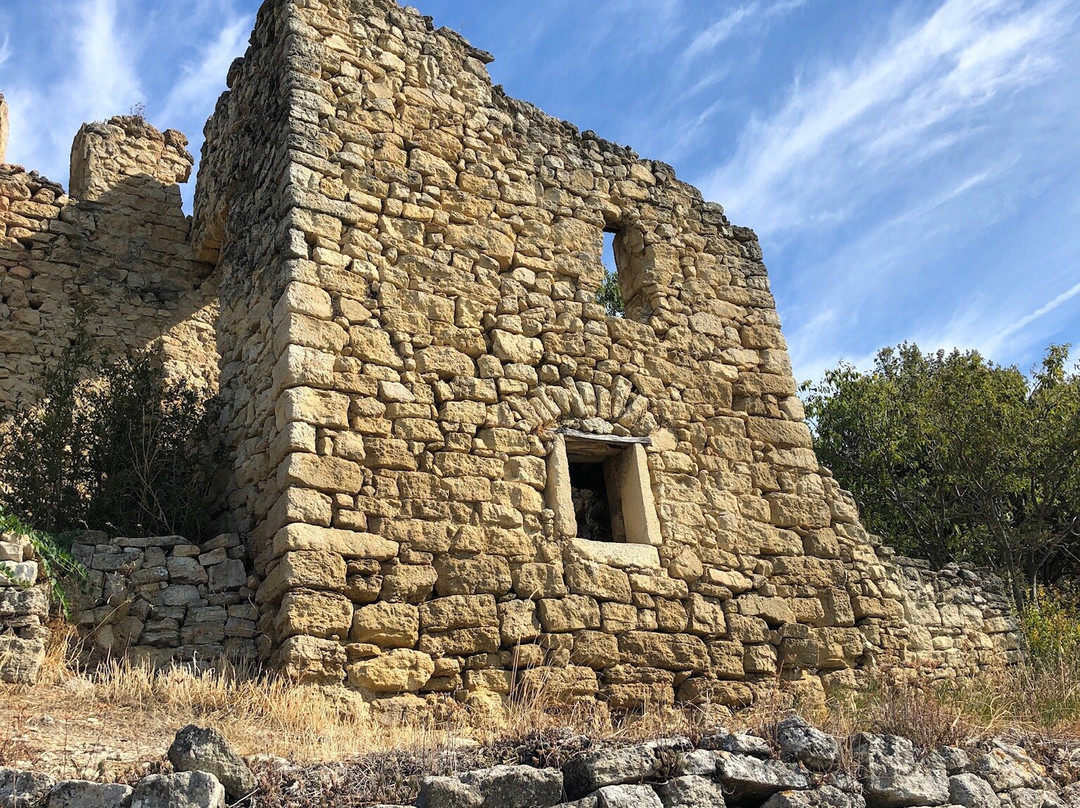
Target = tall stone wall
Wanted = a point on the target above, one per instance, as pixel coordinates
(410, 262)
(115, 251)
(399, 266)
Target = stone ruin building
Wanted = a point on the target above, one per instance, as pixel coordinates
(452, 471)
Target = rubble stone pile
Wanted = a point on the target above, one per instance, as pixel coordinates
(797, 767)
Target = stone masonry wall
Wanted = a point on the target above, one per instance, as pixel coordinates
(391, 278)
(161, 599)
(116, 249)
(24, 610)
(409, 271)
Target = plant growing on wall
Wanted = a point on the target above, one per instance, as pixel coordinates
(113, 445)
(50, 551)
(954, 458)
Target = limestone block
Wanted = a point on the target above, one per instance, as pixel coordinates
(203, 749)
(388, 625)
(595, 649)
(677, 652)
(309, 659)
(346, 543)
(706, 617)
(320, 408)
(411, 583)
(85, 794)
(572, 613)
(459, 611)
(479, 575)
(775, 611)
(537, 581)
(18, 575)
(317, 614)
(444, 361)
(598, 581)
(461, 642)
(180, 790)
(397, 671)
(518, 622)
(561, 685)
(329, 474)
(516, 349)
(20, 660)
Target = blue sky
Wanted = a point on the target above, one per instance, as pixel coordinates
(912, 167)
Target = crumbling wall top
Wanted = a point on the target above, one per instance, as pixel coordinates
(105, 154)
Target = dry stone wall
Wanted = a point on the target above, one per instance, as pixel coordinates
(115, 251)
(161, 599)
(24, 610)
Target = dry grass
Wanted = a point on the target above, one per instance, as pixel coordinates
(116, 721)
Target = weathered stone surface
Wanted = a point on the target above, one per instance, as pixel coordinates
(397, 671)
(388, 625)
(749, 779)
(691, 792)
(181, 790)
(893, 777)
(803, 743)
(517, 786)
(448, 792)
(203, 749)
(1006, 766)
(20, 660)
(84, 794)
(593, 770)
(739, 743)
(22, 789)
(627, 797)
(971, 791)
(399, 313)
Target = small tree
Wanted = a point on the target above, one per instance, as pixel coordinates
(955, 458)
(110, 445)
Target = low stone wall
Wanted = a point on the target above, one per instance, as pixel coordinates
(163, 599)
(24, 608)
(937, 624)
(797, 766)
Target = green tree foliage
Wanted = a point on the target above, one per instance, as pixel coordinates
(954, 458)
(610, 296)
(111, 445)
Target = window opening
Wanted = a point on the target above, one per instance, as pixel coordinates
(610, 293)
(594, 490)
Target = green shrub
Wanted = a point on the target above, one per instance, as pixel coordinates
(1052, 628)
(110, 445)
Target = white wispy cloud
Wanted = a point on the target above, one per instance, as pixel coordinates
(5, 49)
(840, 131)
(749, 17)
(105, 81)
(202, 80)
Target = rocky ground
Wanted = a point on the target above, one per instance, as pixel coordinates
(793, 765)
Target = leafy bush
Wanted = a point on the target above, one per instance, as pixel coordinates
(1052, 628)
(954, 458)
(111, 445)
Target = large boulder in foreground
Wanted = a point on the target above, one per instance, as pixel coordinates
(202, 749)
